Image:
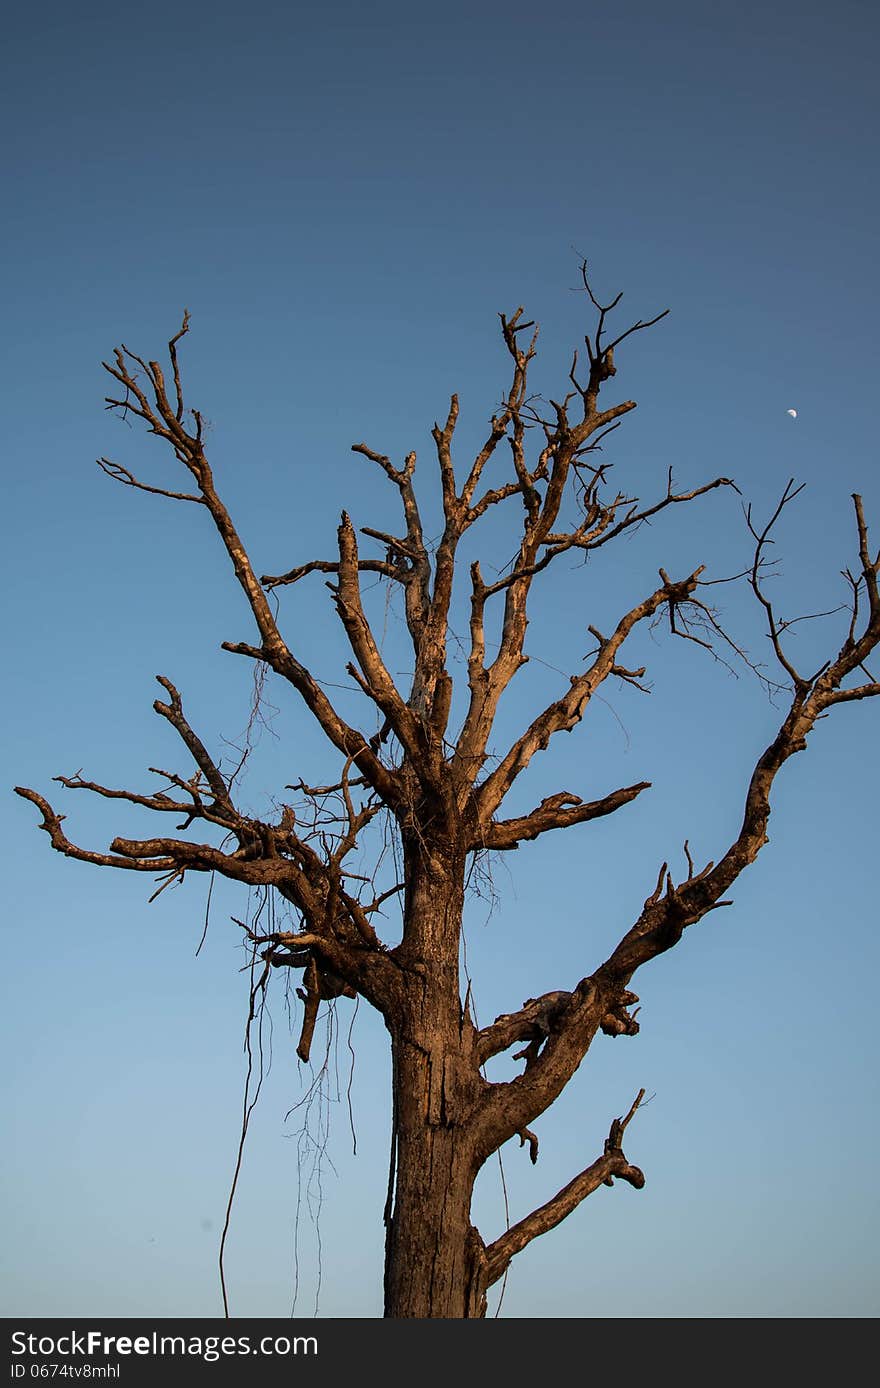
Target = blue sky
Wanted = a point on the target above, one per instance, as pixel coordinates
(345, 200)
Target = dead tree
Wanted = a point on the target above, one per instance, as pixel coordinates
(443, 789)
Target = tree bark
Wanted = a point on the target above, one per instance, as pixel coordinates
(435, 1265)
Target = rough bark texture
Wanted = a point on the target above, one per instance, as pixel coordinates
(439, 786)
(430, 1256)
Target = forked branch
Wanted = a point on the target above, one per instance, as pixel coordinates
(145, 395)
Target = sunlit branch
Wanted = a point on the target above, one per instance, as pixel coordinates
(603, 1171)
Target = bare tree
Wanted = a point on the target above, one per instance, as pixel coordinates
(442, 789)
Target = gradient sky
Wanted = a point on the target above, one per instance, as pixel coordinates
(345, 198)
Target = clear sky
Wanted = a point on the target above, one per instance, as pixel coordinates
(345, 197)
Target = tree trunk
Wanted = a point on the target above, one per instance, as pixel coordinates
(434, 1263)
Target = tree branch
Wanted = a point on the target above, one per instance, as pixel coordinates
(540, 1018)
(166, 422)
(118, 473)
(418, 580)
(611, 1164)
(567, 711)
(593, 1005)
(377, 681)
(326, 566)
(559, 811)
